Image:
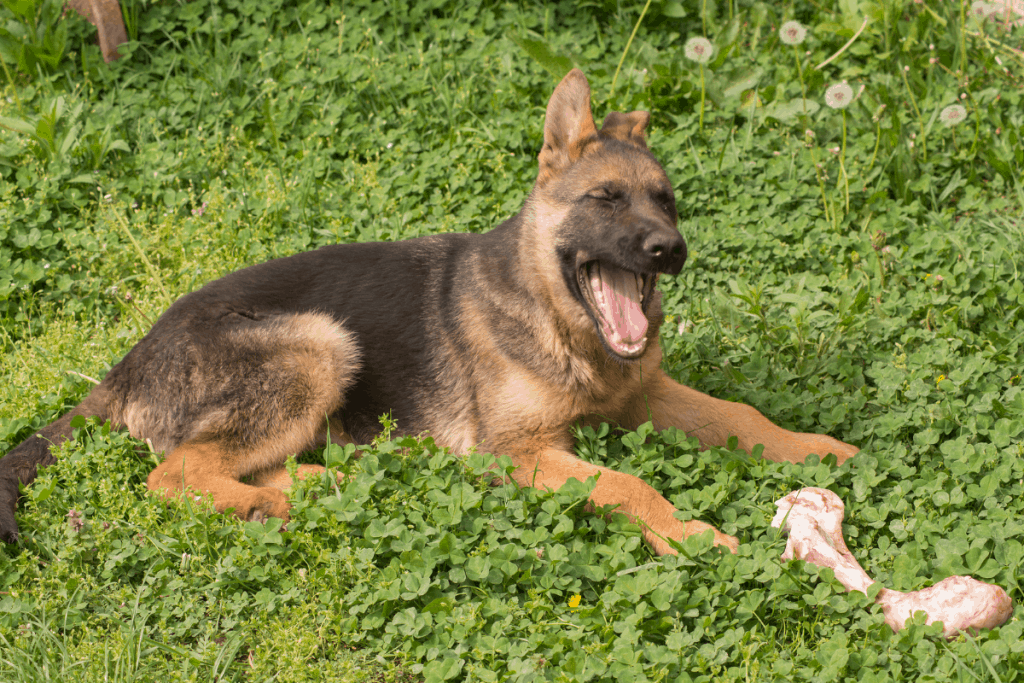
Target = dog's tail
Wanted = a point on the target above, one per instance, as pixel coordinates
(20, 465)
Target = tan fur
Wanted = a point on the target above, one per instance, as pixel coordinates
(280, 479)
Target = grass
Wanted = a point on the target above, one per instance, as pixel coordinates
(854, 271)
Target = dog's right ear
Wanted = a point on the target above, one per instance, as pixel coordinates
(567, 125)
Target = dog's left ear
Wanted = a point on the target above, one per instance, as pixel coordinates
(626, 127)
(568, 124)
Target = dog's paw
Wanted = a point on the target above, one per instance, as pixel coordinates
(727, 541)
(822, 445)
(267, 503)
(720, 539)
(795, 447)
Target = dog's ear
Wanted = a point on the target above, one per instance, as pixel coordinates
(626, 127)
(568, 124)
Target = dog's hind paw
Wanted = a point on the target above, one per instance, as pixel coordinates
(269, 502)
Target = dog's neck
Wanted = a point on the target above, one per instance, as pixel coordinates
(521, 259)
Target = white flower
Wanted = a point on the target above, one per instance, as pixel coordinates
(839, 96)
(792, 33)
(953, 114)
(699, 50)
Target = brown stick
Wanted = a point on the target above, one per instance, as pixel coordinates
(105, 15)
(813, 518)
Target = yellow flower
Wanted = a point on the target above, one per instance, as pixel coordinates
(574, 602)
(939, 379)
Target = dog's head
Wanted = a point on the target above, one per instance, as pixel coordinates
(607, 207)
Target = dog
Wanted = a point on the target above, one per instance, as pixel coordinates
(500, 341)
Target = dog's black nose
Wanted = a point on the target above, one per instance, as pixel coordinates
(666, 250)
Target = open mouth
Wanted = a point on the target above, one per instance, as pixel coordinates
(618, 298)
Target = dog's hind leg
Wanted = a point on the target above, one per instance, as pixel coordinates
(279, 478)
(268, 387)
(209, 469)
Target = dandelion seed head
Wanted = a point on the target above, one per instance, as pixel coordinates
(792, 33)
(839, 96)
(952, 115)
(699, 50)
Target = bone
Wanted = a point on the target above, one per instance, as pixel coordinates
(813, 518)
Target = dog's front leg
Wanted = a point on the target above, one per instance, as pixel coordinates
(630, 496)
(713, 421)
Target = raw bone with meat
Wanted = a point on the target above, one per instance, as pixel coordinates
(813, 518)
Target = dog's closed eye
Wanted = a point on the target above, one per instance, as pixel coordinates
(605, 194)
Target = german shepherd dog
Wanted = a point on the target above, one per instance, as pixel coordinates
(500, 342)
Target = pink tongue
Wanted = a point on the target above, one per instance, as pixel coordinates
(620, 304)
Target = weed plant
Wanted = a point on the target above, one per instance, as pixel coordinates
(856, 271)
